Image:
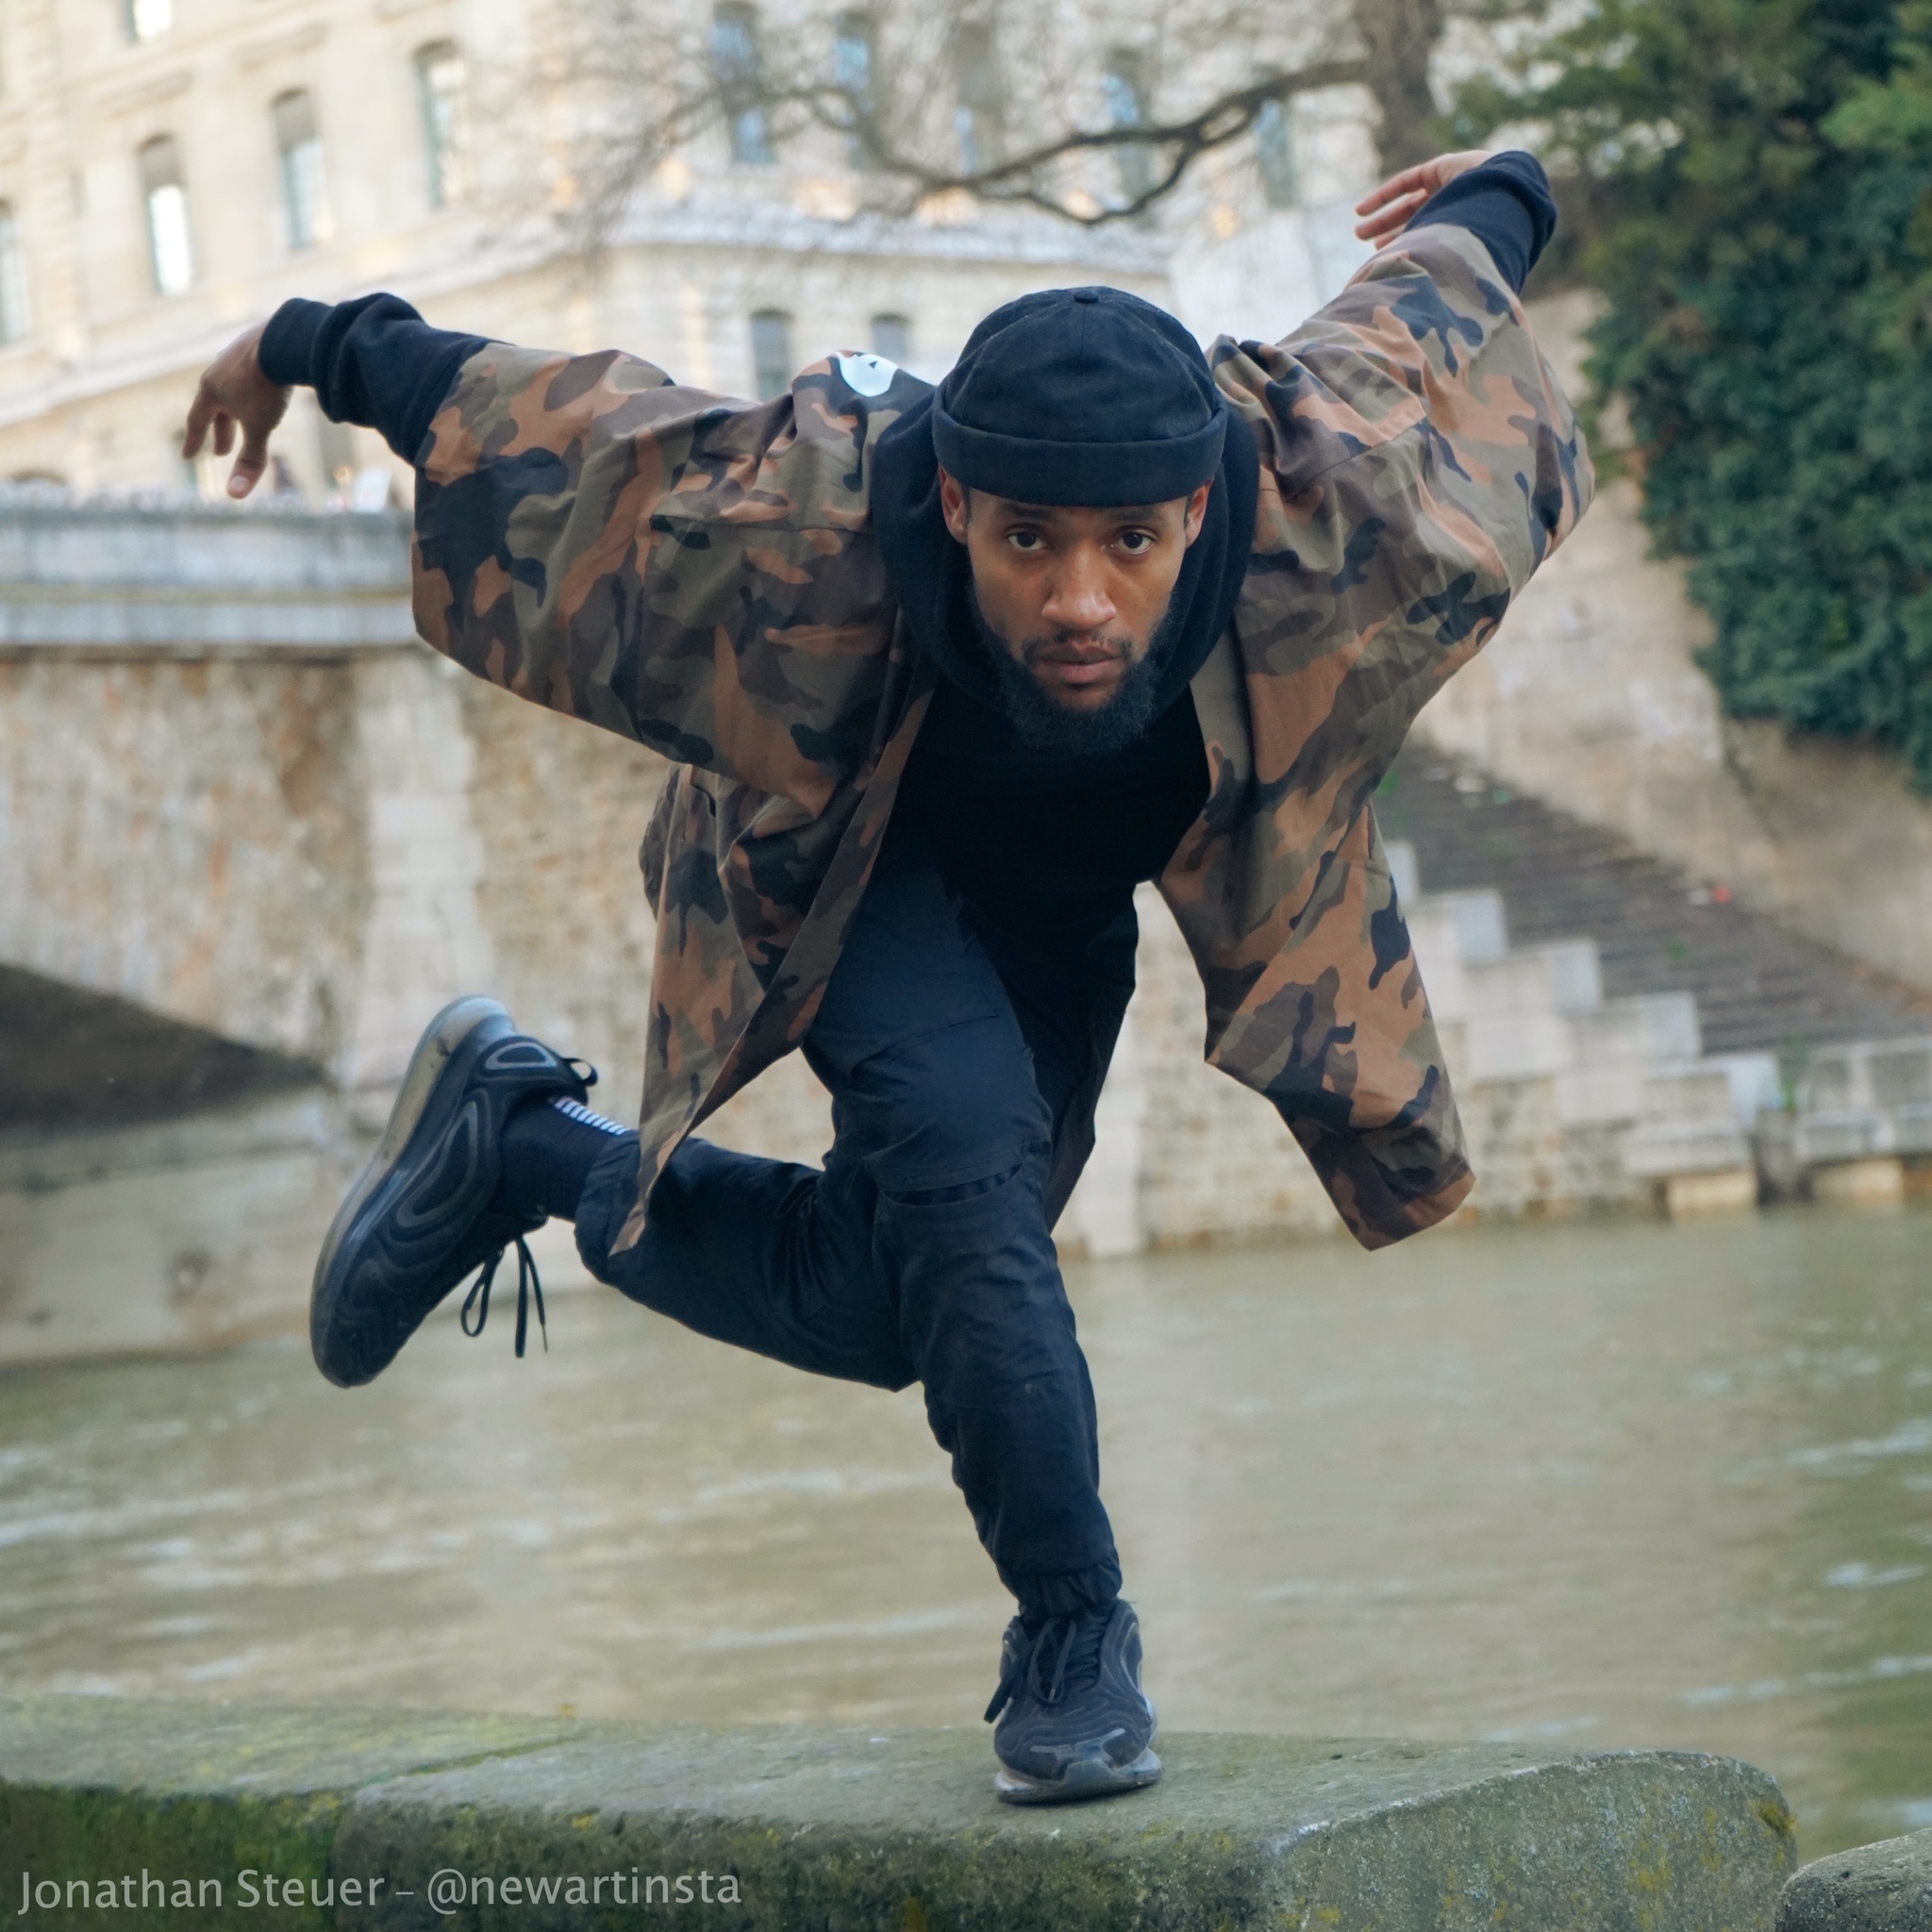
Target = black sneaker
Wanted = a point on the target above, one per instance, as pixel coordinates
(418, 1219)
(1073, 1720)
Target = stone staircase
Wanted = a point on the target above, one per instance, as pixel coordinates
(1703, 1038)
(1758, 988)
(1574, 1099)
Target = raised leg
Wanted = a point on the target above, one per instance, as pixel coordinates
(922, 1251)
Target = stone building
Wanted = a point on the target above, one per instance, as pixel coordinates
(170, 170)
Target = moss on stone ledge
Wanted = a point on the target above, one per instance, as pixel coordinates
(848, 1829)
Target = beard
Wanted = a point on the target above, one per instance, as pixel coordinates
(1046, 726)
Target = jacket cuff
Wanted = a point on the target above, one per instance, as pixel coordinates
(287, 344)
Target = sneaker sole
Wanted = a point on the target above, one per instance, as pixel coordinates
(442, 1039)
(1093, 1775)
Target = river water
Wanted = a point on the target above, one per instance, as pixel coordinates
(1597, 1485)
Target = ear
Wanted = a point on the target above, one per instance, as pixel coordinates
(1196, 513)
(953, 506)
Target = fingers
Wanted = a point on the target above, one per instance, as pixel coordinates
(200, 413)
(1393, 218)
(1418, 182)
(250, 463)
(235, 396)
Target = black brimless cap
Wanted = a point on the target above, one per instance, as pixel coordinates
(1080, 396)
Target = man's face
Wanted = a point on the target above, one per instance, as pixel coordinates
(1074, 596)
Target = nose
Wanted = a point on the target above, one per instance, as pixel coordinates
(1076, 597)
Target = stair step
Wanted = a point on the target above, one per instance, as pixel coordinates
(1759, 987)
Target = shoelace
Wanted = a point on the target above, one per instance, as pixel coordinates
(527, 1285)
(1059, 1636)
(528, 1282)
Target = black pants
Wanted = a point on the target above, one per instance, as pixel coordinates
(963, 1069)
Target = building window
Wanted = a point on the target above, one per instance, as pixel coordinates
(739, 69)
(771, 353)
(171, 252)
(977, 117)
(1274, 146)
(1126, 107)
(442, 91)
(146, 20)
(855, 67)
(304, 187)
(891, 336)
(16, 316)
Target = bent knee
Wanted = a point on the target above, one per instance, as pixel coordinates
(962, 1113)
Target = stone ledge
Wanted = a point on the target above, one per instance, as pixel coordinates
(93, 1788)
(848, 1829)
(40, 1160)
(1881, 1888)
(197, 622)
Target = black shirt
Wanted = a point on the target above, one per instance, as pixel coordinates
(1062, 855)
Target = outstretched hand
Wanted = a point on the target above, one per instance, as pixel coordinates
(1399, 200)
(235, 393)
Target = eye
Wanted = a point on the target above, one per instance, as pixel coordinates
(1027, 541)
(1136, 543)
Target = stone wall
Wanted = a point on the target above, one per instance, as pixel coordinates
(188, 836)
(189, 1233)
(1183, 1154)
(559, 810)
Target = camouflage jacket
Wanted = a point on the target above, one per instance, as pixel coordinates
(702, 575)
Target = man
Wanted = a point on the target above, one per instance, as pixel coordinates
(946, 673)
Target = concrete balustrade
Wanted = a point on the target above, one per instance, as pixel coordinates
(198, 581)
(1864, 1119)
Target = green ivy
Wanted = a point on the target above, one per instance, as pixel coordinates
(1755, 182)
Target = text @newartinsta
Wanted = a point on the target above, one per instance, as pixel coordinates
(445, 1892)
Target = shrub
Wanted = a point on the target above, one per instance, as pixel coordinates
(1755, 178)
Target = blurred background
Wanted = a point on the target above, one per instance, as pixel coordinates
(1638, 1451)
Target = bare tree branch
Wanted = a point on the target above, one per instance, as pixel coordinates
(1016, 180)
(879, 97)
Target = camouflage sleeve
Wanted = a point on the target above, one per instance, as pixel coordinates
(696, 573)
(1419, 461)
